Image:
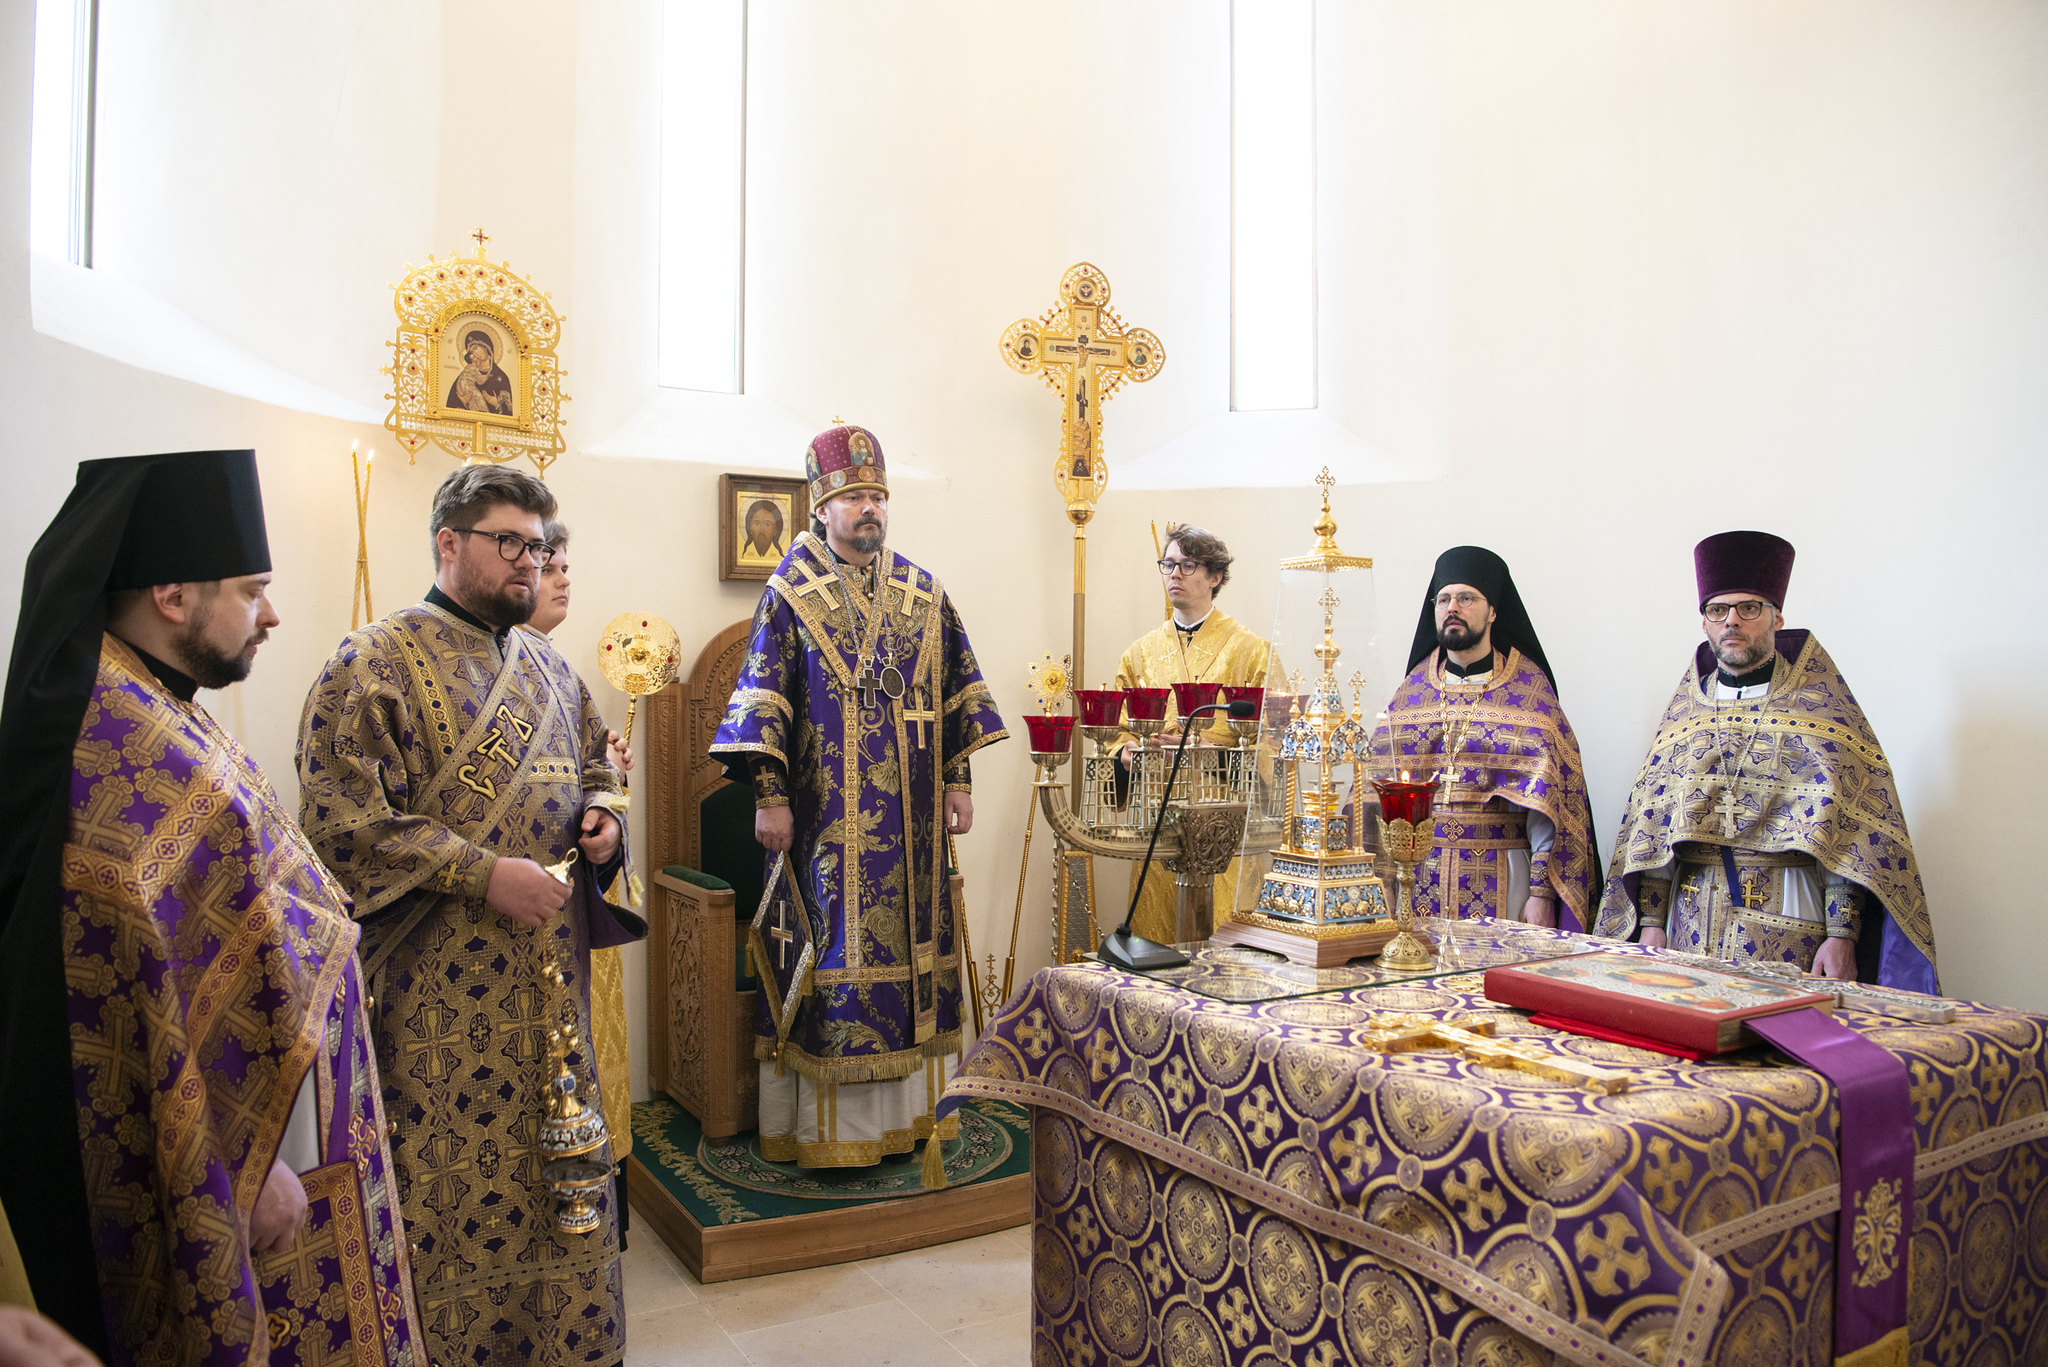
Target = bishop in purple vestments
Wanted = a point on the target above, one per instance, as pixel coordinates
(853, 719)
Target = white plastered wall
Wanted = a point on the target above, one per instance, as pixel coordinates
(1628, 277)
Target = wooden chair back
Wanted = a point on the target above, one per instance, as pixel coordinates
(681, 720)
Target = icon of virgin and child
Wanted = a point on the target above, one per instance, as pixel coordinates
(481, 386)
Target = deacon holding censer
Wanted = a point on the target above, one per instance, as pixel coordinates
(853, 719)
(1764, 824)
(446, 760)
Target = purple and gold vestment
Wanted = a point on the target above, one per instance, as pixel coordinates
(1514, 754)
(211, 964)
(866, 781)
(1798, 772)
(428, 751)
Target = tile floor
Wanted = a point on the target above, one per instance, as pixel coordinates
(968, 1302)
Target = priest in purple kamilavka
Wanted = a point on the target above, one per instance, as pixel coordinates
(1764, 824)
(853, 719)
(1478, 713)
(194, 1153)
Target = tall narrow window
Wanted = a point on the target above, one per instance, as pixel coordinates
(703, 193)
(1272, 204)
(60, 152)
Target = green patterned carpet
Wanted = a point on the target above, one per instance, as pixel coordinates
(725, 1182)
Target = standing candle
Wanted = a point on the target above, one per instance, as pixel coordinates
(359, 609)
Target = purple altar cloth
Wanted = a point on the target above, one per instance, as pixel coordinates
(1244, 1183)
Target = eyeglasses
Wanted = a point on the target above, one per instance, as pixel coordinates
(514, 547)
(1467, 600)
(1749, 609)
(1178, 568)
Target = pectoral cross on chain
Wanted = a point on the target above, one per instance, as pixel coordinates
(781, 933)
(869, 683)
(1728, 811)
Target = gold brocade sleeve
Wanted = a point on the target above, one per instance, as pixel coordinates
(362, 759)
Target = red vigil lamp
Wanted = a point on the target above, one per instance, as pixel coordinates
(1189, 696)
(1101, 713)
(1052, 740)
(1246, 729)
(1405, 801)
(1146, 708)
(1406, 836)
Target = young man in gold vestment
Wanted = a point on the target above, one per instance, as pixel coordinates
(1198, 644)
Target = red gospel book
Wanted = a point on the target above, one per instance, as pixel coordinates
(1609, 1033)
(1694, 1008)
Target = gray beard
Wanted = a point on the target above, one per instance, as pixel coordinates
(867, 543)
(1743, 659)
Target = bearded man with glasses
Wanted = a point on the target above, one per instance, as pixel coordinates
(1201, 644)
(445, 760)
(1764, 824)
(1478, 711)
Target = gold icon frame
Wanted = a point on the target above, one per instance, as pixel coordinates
(437, 305)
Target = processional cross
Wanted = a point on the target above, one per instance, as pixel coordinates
(1084, 353)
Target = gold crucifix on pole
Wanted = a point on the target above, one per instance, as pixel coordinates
(1084, 353)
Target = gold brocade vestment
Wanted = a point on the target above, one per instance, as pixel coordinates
(1221, 651)
(424, 757)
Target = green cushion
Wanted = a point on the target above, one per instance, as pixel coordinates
(696, 879)
(729, 850)
(733, 862)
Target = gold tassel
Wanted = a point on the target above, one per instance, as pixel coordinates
(934, 1164)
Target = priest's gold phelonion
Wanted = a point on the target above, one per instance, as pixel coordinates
(571, 1133)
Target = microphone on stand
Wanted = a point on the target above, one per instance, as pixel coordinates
(1120, 946)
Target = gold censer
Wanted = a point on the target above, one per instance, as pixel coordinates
(571, 1133)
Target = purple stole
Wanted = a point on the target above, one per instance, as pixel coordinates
(1873, 1244)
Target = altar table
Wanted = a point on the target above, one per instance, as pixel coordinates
(1240, 1182)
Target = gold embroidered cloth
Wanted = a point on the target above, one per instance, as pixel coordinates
(210, 964)
(867, 777)
(1222, 651)
(1799, 769)
(1243, 1183)
(1514, 747)
(422, 760)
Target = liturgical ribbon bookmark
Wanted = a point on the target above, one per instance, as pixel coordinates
(1875, 1139)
